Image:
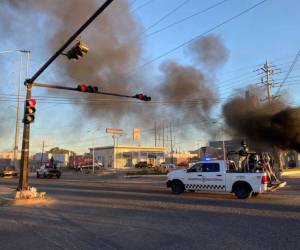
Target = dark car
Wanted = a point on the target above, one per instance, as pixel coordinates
(143, 164)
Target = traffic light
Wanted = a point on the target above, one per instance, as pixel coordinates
(77, 51)
(142, 97)
(88, 89)
(29, 111)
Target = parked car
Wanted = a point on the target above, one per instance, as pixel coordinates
(8, 172)
(168, 165)
(143, 164)
(47, 171)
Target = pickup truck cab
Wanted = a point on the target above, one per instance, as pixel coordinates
(215, 176)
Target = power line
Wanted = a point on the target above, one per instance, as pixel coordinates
(142, 5)
(289, 71)
(198, 36)
(186, 18)
(165, 16)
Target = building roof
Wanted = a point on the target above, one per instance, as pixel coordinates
(131, 147)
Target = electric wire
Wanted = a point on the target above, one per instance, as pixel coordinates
(197, 37)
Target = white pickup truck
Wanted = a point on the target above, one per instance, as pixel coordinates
(215, 176)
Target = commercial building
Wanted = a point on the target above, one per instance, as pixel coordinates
(61, 158)
(127, 156)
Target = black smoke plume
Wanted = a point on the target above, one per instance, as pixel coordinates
(189, 92)
(269, 124)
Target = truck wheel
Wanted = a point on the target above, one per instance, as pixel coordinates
(37, 175)
(177, 187)
(243, 192)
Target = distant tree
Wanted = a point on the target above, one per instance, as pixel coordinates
(58, 150)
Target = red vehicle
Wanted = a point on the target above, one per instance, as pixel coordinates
(80, 160)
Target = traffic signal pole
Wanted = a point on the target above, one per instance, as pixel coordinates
(23, 180)
(24, 170)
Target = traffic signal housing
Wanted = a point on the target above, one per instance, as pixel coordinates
(142, 97)
(87, 89)
(77, 51)
(29, 111)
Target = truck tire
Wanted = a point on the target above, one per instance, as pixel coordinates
(243, 191)
(177, 187)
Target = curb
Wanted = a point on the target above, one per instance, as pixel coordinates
(148, 175)
(288, 173)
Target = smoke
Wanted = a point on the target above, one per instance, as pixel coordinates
(188, 91)
(209, 51)
(270, 124)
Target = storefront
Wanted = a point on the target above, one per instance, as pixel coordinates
(128, 156)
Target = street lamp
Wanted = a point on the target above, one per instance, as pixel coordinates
(17, 128)
(93, 146)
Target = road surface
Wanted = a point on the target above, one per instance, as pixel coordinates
(111, 212)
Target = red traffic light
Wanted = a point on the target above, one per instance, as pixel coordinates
(29, 115)
(31, 102)
(82, 88)
(142, 97)
(89, 89)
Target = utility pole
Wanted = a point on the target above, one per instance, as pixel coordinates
(18, 111)
(155, 134)
(267, 82)
(171, 143)
(42, 156)
(163, 131)
(16, 146)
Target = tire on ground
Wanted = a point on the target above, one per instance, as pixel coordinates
(242, 190)
(177, 187)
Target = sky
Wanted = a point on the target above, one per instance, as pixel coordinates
(268, 32)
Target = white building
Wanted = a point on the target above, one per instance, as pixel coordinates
(127, 156)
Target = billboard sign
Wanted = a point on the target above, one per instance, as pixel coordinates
(115, 131)
(136, 134)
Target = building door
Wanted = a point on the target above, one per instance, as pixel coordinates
(129, 163)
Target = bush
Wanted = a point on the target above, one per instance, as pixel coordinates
(154, 171)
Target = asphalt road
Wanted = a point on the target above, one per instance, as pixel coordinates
(111, 212)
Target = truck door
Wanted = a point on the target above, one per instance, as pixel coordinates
(213, 179)
(194, 178)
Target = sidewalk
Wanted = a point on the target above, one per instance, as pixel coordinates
(6, 194)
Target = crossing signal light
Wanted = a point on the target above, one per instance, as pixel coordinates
(77, 51)
(29, 111)
(88, 89)
(142, 97)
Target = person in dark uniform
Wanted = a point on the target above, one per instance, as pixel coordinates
(243, 152)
